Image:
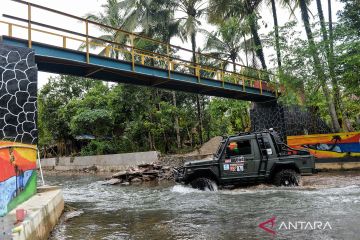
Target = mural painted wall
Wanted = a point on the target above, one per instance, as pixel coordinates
(334, 145)
(17, 175)
(18, 128)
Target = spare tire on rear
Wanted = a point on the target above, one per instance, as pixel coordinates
(287, 178)
(204, 184)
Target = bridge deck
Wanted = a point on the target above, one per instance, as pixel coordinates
(132, 63)
(66, 61)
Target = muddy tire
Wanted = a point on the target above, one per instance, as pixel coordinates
(204, 184)
(287, 178)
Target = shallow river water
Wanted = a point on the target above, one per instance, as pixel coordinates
(171, 211)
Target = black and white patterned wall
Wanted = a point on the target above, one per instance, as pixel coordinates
(287, 120)
(18, 95)
(268, 115)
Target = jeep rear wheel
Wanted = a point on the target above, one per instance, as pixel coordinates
(204, 184)
(287, 178)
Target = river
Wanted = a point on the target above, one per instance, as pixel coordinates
(172, 211)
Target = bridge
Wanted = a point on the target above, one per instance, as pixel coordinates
(29, 44)
(131, 61)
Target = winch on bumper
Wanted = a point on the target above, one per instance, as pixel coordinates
(179, 174)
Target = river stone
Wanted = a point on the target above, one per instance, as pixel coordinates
(135, 171)
(157, 167)
(148, 178)
(136, 180)
(143, 173)
(72, 214)
(112, 181)
(146, 165)
(119, 174)
(151, 172)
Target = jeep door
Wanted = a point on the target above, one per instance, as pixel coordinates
(236, 157)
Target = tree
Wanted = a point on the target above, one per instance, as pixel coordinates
(347, 38)
(111, 16)
(228, 116)
(96, 122)
(226, 43)
(193, 10)
(350, 16)
(328, 43)
(156, 19)
(245, 9)
(54, 120)
(276, 29)
(317, 64)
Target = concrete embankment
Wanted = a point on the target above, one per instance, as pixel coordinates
(120, 162)
(43, 211)
(114, 162)
(338, 164)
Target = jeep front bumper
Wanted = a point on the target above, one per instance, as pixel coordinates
(179, 174)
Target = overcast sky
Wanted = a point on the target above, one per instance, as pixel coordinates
(81, 7)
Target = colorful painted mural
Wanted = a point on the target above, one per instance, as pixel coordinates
(333, 145)
(17, 175)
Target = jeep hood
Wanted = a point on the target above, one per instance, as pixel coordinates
(198, 162)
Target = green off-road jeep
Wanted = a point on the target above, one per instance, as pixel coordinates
(248, 158)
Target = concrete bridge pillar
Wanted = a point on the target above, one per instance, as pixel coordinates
(18, 95)
(268, 115)
(287, 120)
(18, 126)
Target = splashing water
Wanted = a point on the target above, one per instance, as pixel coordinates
(183, 189)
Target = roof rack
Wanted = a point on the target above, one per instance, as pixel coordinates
(249, 133)
(258, 132)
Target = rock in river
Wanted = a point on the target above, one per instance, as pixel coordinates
(141, 173)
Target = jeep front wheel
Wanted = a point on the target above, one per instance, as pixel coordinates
(204, 184)
(287, 178)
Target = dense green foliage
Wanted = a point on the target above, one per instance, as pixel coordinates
(125, 118)
(319, 67)
(301, 78)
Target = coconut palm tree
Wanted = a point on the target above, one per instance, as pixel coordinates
(145, 16)
(192, 10)
(227, 42)
(111, 16)
(246, 10)
(154, 18)
(276, 30)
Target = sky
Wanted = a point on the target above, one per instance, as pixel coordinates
(82, 7)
